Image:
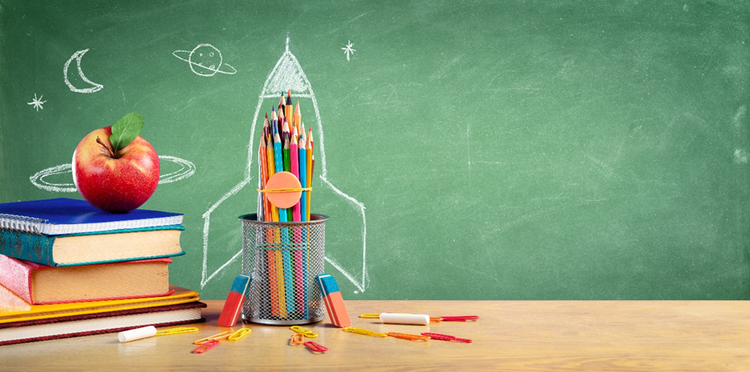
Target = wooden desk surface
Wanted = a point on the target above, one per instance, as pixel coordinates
(510, 336)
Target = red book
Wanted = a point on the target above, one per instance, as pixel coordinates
(41, 284)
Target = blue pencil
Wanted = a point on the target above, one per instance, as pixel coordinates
(286, 257)
(303, 214)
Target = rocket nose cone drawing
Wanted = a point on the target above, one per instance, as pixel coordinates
(287, 75)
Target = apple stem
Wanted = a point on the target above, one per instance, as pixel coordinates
(109, 149)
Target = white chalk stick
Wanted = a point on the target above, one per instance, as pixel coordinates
(418, 319)
(136, 334)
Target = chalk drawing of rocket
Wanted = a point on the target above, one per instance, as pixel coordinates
(288, 74)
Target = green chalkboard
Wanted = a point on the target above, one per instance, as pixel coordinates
(464, 149)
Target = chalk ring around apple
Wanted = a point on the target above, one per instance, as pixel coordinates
(186, 169)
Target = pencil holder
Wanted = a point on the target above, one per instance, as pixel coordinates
(283, 259)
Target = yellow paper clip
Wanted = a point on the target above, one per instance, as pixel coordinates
(217, 337)
(305, 332)
(176, 331)
(297, 339)
(365, 332)
(239, 334)
(370, 316)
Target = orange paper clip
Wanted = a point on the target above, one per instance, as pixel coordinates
(316, 347)
(219, 336)
(365, 332)
(206, 346)
(408, 336)
(442, 337)
(236, 336)
(297, 339)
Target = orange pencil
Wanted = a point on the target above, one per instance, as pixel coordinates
(309, 148)
(297, 118)
(289, 108)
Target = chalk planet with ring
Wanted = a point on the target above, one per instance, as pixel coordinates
(205, 60)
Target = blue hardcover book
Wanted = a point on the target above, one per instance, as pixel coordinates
(72, 216)
(66, 232)
(93, 248)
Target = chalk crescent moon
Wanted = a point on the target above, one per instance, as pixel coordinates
(94, 86)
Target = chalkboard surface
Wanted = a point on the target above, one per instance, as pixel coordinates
(464, 149)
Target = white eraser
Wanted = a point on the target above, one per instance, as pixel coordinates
(418, 319)
(136, 334)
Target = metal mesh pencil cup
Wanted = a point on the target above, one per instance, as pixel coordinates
(283, 259)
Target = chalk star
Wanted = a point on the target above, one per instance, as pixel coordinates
(349, 50)
(37, 102)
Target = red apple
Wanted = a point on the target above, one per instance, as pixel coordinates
(115, 182)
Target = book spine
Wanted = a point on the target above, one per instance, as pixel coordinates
(27, 246)
(16, 276)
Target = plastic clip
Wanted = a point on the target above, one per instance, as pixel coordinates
(297, 339)
(305, 332)
(206, 346)
(242, 332)
(408, 336)
(442, 337)
(462, 318)
(316, 347)
(217, 337)
(176, 331)
(365, 332)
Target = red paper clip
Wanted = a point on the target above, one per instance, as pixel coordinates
(316, 347)
(208, 345)
(438, 336)
(462, 318)
(408, 336)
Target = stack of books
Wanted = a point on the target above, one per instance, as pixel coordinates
(68, 269)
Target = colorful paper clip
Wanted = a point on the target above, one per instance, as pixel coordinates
(297, 339)
(316, 347)
(305, 332)
(365, 332)
(462, 318)
(219, 336)
(370, 316)
(438, 336)
(208, 345)
(176, 331)
(408, 336)
(242, 332)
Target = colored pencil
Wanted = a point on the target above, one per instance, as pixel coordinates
(303, 215)
(297, 118)
(309, 148)
(296, 252)
(274, 238)
(289, 108)
(285, 256)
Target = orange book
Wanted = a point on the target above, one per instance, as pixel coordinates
(15, 309)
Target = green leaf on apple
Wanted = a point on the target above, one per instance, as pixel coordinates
(125, 131)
